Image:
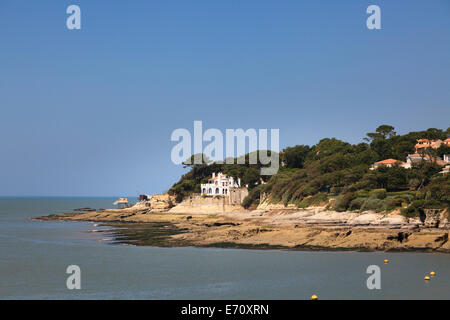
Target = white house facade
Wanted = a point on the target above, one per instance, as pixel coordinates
(446, 158)
(220, 184)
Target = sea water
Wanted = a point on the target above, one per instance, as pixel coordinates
(34, 256)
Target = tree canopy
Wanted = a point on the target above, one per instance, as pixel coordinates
(335, 168)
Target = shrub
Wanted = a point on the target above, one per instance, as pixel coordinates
(252, 197)
(417, 206)
(413, 210)
(335, 190)
(407, 197)
(362, 194)
(409, 212)
(317, 199)
(393, 203)
(357, 203)
(343, 201)
(378, 193)
(413, 183)
(374, 204)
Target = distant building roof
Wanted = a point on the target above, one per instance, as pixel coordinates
(427, 157)
(216, 177)
(388, 161)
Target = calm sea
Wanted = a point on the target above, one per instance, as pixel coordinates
(34, 256)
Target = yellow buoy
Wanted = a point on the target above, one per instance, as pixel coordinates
(314, 297)
(427, 278)
(432, 273)
(386, 261)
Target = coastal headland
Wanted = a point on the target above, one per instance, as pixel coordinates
(313, 228)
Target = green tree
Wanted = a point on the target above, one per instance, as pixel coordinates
(382, 132)
(294, 157)
(196, 160)
(383, 148)
(433, 133)
(402, 148)
(443, 149)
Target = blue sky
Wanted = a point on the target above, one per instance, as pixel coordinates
(90, 111)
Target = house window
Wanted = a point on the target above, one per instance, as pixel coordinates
(204, 190)
(217, 190)
(209, 191)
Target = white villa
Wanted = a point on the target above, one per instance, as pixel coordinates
(446, 170)
(220, 184)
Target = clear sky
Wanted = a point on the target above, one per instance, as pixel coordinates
(90, 112)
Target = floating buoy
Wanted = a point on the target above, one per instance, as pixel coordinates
(314, 297)
(386, 261)
(427, 278)
(432, 273)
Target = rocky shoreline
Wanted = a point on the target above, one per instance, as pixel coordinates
(308, 229)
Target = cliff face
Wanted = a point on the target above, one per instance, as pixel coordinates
(208, 205)
(436, 219)
(266, 204)
(321, 215)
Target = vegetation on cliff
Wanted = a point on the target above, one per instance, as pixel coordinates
(337, 170)
(200, 173)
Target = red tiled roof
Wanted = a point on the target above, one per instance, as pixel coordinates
(215, 178)
(388, 161)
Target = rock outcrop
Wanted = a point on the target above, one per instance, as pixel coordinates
(156, 203)
(436, 219)
(321, 217)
